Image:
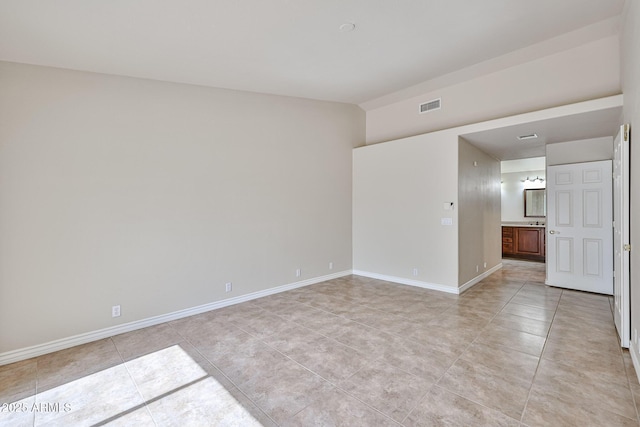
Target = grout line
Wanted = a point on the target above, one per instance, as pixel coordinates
(535, 374)
(331, 382)
(367, 361)
(466, 348)
(477, 403)
(226, 377)
(135, 384)
(418, 402)
(197, 350)
(453, 303)
(358, 303)
(334, 384)
(146, 402)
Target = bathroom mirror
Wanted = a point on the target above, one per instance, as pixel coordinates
(535, 203)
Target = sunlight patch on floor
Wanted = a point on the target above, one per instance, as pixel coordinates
(166, 387)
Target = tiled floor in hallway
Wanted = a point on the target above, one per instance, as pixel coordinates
(354, 352)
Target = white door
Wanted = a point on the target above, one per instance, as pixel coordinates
(580, 227)
(622, 311)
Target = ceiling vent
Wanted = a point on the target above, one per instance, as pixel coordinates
(434, 104)
(529, 136)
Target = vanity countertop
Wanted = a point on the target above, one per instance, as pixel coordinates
(520, 224)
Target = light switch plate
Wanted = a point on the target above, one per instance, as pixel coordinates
(446, 221)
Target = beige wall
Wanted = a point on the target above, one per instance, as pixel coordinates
(152, 195)
(584, 150)
(586, 72)
(630, 57)
(479, 235)
(399, 192)
(398, 196)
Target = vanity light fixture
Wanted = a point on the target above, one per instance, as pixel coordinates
(536, 179)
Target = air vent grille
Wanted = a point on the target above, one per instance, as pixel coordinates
(434, 104)
(529, 136)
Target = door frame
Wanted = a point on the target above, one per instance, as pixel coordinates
(621, 215)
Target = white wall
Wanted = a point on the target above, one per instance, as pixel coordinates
(479, 234)
(513, 194)
(581, 73)
(630, 56)
(152, 195)
(519, 165)
(584, 150)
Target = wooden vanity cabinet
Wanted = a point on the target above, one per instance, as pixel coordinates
(524, 243)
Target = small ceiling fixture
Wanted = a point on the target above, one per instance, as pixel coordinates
(530, 136)
(347, 27)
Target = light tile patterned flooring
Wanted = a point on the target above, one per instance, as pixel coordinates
(351, 352)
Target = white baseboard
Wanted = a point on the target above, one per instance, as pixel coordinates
(61, 344)
(634, 359)
(410, 282)
(477, 279)
(427, 285)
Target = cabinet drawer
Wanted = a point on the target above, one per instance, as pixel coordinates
(507, 248)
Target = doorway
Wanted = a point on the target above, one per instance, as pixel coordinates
(523, 209)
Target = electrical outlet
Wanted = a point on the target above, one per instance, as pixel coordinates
(485, 265)
(415, 271)
(635, 335)
(298, 272)
(228, 287)
(330, 266)
(477, 269)
(115, 311)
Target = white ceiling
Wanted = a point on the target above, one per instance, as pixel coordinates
(286, 47)
(503, 144)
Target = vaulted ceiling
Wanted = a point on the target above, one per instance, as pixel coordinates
(299, 48)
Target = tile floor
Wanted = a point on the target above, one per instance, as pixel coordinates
(351, 352)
